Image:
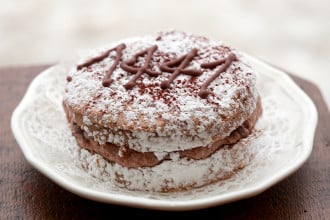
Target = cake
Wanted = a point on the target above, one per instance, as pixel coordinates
(165, 111)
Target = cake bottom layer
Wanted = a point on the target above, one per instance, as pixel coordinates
(178, 174)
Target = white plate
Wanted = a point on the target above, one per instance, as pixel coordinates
(287, 131)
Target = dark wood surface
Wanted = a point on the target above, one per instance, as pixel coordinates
(27, 194)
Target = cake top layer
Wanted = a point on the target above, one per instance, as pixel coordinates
(170, 85)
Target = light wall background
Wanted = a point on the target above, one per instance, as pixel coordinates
(292, 34)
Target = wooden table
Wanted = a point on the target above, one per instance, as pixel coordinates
(27, 194)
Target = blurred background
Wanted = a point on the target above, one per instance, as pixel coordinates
(292, 34)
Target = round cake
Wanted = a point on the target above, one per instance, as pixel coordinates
(164, 111)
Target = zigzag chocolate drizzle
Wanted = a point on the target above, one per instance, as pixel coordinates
(183, 61)
(227, 61)
(138, 71)
(106, 80)
(175, 66)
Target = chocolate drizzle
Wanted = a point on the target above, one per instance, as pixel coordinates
(226, 63)
(68, 78)
(106, 80)
(176, 67)
(183, 63)
(119, 50)
(138, 71)
(98, 58)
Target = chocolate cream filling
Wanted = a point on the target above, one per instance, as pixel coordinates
(133, 159)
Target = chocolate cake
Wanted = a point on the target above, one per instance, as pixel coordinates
(165, 111)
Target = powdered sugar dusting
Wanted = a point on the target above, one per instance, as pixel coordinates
(164, 120)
